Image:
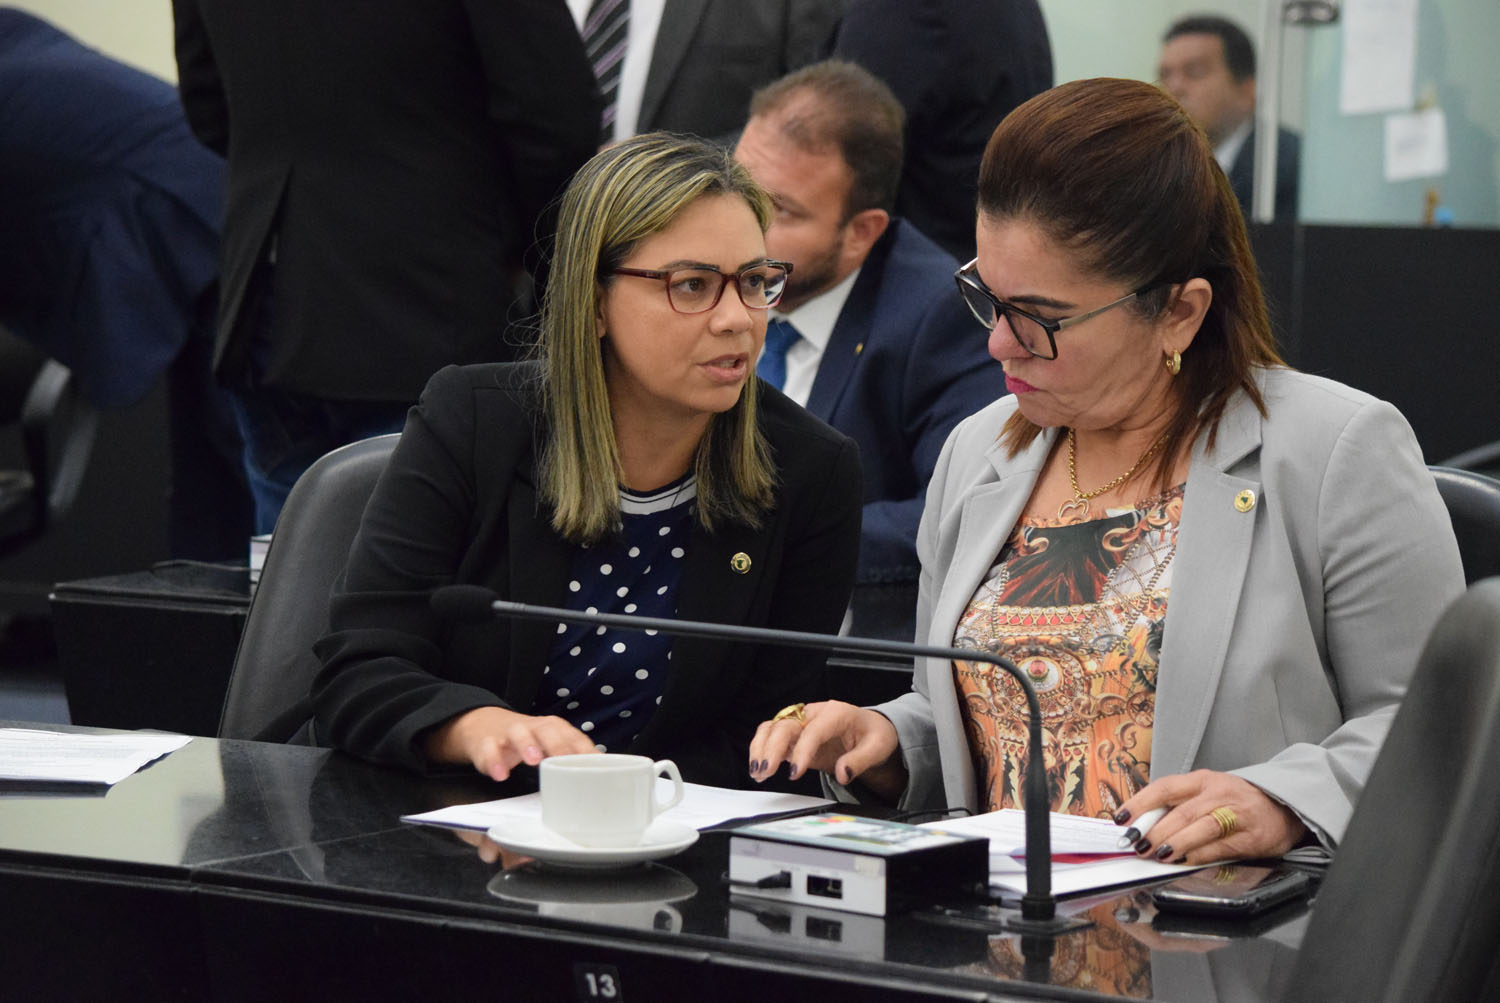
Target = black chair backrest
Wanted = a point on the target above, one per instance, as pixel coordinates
(1485, 459)
(274, 666)
(1473, 501)
(1410, 909)
(57, 429)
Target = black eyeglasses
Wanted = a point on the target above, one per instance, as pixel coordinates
(1036, 334)
(698, 290)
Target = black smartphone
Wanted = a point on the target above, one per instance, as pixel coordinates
(1232, 891)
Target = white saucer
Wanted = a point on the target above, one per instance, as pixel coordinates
(528, 836)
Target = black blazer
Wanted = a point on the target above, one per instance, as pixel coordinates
(1288, 174)
(401, 154)
(712, 55)
(458, 503)
(905, 364)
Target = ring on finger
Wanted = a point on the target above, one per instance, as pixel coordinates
(1227, 820)
(794, 711)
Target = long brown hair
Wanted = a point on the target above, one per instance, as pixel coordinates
(1116, 171)
(620, 197)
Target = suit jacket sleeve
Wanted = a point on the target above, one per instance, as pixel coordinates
(1389, 566)
(948, 375)
(198, 80)
(387, 675)
(542, 94)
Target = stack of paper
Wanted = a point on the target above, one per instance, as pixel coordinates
(1084, 852)
(700, 808)
(54, 758)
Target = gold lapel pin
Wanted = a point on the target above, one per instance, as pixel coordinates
(740, 562)
(1244, 501)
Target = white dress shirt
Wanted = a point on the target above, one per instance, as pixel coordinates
(814, 321)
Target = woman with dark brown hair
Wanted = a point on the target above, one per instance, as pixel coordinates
(1216, 571)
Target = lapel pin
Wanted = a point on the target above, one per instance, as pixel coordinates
(740, 562)
(1244, 501)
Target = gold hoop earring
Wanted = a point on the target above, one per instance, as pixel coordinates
(1174, 364)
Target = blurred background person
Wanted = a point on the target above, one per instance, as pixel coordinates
(110, 211)
(387, 173)
(957, 67)
(640, 468)
(1217, 572)
(869, 336)
(1208, 63)
(691, 65)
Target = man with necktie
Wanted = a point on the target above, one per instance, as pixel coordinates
(870, 334)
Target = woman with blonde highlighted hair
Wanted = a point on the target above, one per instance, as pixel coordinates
(1216, 572)
(638, 468)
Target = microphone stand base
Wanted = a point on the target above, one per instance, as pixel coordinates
(1045, 927)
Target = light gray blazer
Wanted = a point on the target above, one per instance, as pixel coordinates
(1292, 628)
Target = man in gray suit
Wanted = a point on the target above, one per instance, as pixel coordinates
(691, 65)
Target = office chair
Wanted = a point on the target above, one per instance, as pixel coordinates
(57, 427)
(1473, 502)
(1410, 909)
(274, 665)
(1484, 459)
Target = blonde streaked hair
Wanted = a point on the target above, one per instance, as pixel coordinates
(623, 195)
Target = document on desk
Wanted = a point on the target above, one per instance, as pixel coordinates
(1084, 852)
(57, 758)
(701, 807)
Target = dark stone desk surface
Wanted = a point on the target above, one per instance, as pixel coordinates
(278, 859)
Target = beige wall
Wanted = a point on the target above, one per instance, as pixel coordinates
(138, 32)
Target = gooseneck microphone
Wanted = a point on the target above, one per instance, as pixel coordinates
(474, 603)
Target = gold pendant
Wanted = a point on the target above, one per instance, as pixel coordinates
(1066, 511)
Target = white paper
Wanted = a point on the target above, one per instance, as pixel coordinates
(701, 807)
(1071, 834)
(1416, 145)
(1006, 830)
(1380, 56)
(28, 755)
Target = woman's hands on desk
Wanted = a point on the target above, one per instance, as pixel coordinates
(497, 740)
(1190, 833)
(834, 737)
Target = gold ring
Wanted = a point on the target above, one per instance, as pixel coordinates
(792, 711)
(1226, 819)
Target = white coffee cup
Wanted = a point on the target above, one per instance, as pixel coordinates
(604, 799)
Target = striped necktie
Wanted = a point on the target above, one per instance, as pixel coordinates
(605, 33)
(780, 337)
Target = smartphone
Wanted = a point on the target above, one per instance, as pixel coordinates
(1232, 891)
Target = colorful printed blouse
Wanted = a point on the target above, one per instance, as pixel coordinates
(1079, 607)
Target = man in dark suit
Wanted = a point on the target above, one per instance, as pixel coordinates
(110, 215)
(1208, 64)
(958, 67)
(388, 166)
(691, 65)
(884, 349)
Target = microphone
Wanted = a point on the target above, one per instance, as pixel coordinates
(474, 603)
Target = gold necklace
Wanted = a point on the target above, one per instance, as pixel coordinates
(1077, 507)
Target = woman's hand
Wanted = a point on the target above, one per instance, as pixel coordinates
(1190, 833)
(497, 740)
(834, 737)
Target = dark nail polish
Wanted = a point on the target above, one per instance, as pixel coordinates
(1122, 816)
(795, 771)
(754, 768)
(1164, 852)
(765, 764)
(1132, 835)
(1143, 847)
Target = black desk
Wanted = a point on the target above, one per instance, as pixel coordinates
(150, 649)
(154, 649)
(237, 870)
